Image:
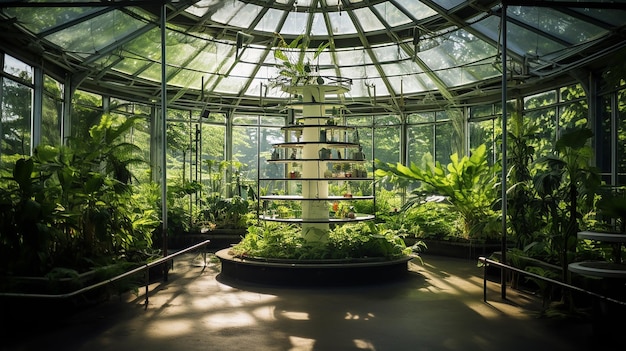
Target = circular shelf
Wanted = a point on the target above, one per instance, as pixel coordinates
(324, 106)
(300, 198)
(320, 126)
(326, 117)
(318, 220)
(331, 160)
(335, 85)
(331, 144)
(319, 179)
(599, 269)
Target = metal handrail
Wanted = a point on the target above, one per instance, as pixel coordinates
(145, 267)
(489, 262)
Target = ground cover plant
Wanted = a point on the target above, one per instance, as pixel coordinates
(349, 241)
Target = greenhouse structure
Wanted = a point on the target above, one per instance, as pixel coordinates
(362, 174)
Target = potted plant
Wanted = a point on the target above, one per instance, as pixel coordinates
(324, 154)
(358, 155)
(292, 68)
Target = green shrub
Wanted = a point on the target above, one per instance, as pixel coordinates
(432, 220)
(349, 241)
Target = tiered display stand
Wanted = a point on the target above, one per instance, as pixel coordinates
(317, 151)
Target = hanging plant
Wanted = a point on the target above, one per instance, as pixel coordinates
(292, 69)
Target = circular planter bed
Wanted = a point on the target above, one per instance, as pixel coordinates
(311, 272)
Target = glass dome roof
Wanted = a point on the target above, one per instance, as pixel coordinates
(399, 54)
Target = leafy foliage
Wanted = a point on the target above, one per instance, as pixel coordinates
(566, 185)
(73, 206)
(350, 241)
(432, 219)
(226, 212)
(522, 207)
(468, 183)
(291, 55)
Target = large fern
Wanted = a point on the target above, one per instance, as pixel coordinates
(468, 183)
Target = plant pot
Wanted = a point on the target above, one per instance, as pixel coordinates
(324, 154)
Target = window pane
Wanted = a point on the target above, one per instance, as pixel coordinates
(272, 121)
(178, 149)
(86, 112)
(421, 117)
(482, 133)
(387, 120)
(573, 115)
(52, 112)
(18, 68)
(420, 143)
(540, 100)
(572, 92)
(269, 136)
(444, 141)
(365, 138)
(139, 135)
(245, 141)
(545, 119)
(481, 111)
(51, 121)
(16, 112)
(246, 120)
(359, 121)
(213, 142)
(387, 144)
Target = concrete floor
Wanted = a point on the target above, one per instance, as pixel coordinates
(438, 307)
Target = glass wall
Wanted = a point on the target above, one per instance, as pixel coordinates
(87, 108)
(138, 135)
(252, 140)
(611, 143)
(199, 144)
(482, 129)
(16, 108)
(421, 137)
(550, 113)
(52, 112)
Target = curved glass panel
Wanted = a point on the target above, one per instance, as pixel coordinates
(90, 36)
(40, 21)
(225, 11)
(341, 23)
(391, 14)
(416, 9)
(318, 28)
(269, 21)
(387, 47)
(368, 21)
(554, 23)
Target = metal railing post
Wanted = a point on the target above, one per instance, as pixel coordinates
(485, 282)
(504, 267)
